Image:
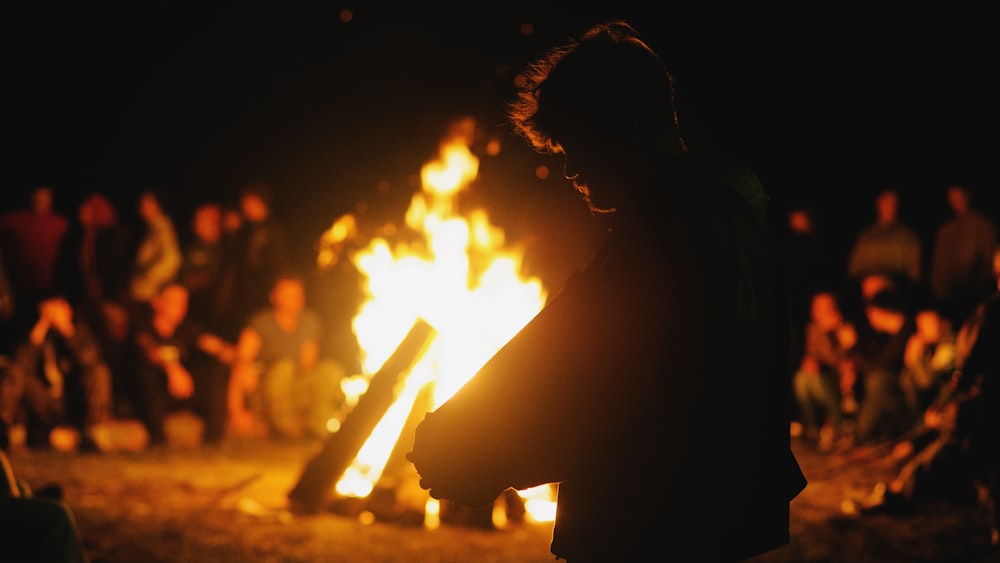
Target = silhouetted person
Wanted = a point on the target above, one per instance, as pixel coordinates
(654, 387)
(35, 527)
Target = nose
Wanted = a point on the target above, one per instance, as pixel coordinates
(568, 172)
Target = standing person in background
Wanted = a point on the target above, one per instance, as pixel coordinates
(673, 341)
(202, 265)
(961, 273)
(158, 255)
(887, 247)
(260, 252)
(31, 238)
(93, 273)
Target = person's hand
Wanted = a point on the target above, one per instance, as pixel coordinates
(847, 336)
(446, 477)
(243, 422)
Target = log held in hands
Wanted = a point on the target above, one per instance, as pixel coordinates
(340, 448)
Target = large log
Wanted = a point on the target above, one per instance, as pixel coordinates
(341, 447)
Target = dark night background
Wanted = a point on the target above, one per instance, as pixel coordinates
(829, 104)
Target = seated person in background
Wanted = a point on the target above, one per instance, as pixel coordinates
(878, 359)
(181, 366)
(928, 362)
(279, 369)
(59, 385)
(817, 383)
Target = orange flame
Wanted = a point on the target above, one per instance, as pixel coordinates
(460, 278)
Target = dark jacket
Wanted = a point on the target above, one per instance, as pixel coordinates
(653, 388)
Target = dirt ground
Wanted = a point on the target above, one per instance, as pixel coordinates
(228, 504)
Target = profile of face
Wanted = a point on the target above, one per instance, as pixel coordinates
(171, 304)
(288, 295)
(589, 163)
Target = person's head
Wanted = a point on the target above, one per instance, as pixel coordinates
(170, 304)
(605, 102)
(886, 312)
(41, 200)
(255, 201)
(206, 222)
(873, 284)
(825, 311)
(800, 221)
(288, 293)
(96, 211)
(149, 205)
(57, 310)
(958, 199)
(929, 325)
(887, 206)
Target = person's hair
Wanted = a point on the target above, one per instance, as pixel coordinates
(608, 77)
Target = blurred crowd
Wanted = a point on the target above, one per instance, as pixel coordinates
(128, 327)
(895, 353)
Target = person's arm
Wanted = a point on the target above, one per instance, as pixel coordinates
(243, 378)
(169, 258)
(217, 347)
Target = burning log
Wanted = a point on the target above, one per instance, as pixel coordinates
(340, 448)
